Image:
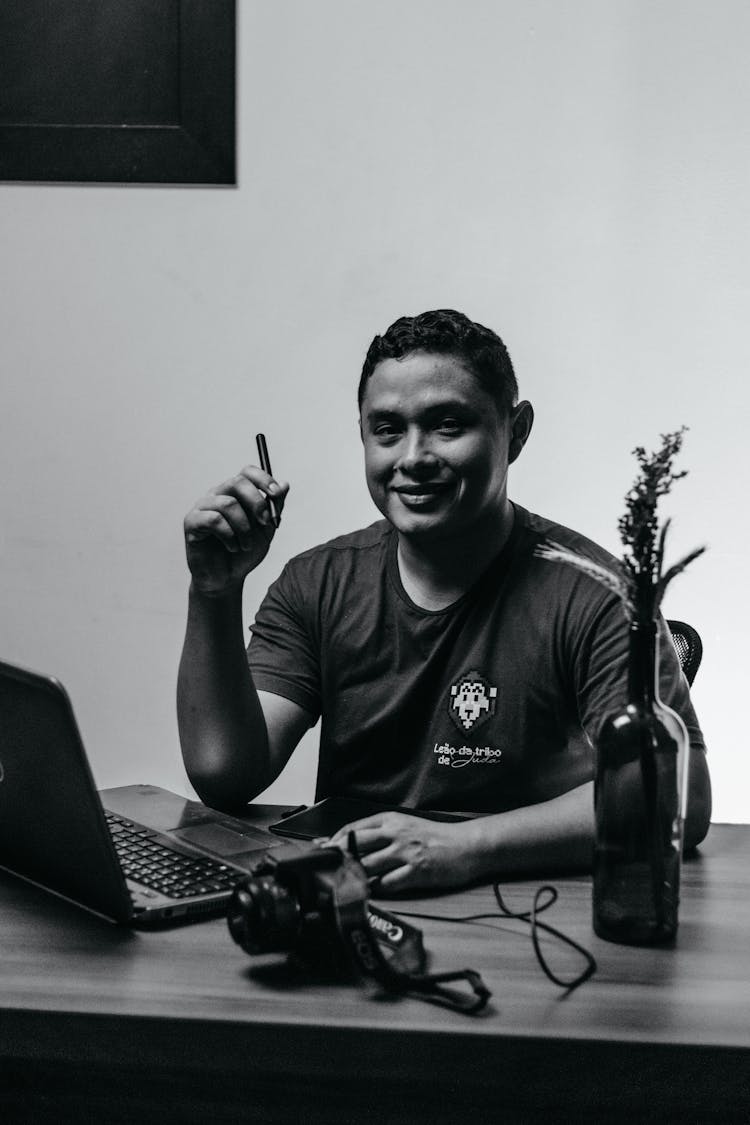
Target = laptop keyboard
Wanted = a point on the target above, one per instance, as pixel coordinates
(147, 861)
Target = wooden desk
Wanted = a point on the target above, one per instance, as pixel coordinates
(102, 1025)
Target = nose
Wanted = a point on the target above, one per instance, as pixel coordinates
(416, 453)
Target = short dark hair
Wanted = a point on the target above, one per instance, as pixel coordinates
(447, 332)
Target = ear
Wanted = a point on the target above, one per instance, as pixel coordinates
(521, 421)
(361, 435)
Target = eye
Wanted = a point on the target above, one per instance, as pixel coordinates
(451, 426)
(385, 431)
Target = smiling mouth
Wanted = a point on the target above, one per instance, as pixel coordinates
(420, 495)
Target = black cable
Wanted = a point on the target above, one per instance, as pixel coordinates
(530, 916)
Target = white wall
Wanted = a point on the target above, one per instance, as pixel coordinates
(573, 174)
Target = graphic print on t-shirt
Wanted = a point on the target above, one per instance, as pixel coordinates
(472, 700)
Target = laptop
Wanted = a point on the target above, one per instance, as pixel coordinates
(142, 856)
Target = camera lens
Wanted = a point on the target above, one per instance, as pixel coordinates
(264, 917)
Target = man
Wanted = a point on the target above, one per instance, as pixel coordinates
(453, 669)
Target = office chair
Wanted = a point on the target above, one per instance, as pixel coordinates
(689, 647)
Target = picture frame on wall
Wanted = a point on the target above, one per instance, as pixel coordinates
(118, 91)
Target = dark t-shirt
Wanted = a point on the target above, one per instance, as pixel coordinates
(485, 706)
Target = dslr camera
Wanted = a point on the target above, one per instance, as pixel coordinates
(313, 906)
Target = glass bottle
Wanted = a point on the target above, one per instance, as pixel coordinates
(640, 801)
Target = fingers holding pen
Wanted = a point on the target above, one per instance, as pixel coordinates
(235, 510)
(232, 521)
(250, 498)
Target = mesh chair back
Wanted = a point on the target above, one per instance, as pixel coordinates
(689, 647)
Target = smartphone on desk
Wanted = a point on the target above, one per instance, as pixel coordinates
(325, 818)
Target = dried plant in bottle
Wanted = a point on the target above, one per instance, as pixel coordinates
(638, 782)
(638, 578)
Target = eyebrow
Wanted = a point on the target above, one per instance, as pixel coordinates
(429, 410)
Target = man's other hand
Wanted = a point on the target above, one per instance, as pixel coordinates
(402, 853)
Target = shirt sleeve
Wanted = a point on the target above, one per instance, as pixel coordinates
(602, 674)
(283, 655)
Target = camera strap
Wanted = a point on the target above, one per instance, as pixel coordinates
(391, 951)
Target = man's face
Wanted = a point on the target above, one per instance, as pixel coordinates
(436, 448)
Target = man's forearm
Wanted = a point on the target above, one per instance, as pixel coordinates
(221, 724)
(553, 836)
(558, 835)
(698, 819)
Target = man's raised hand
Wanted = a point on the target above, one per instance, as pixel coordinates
(229, 530)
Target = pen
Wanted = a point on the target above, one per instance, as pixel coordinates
(265, 465)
